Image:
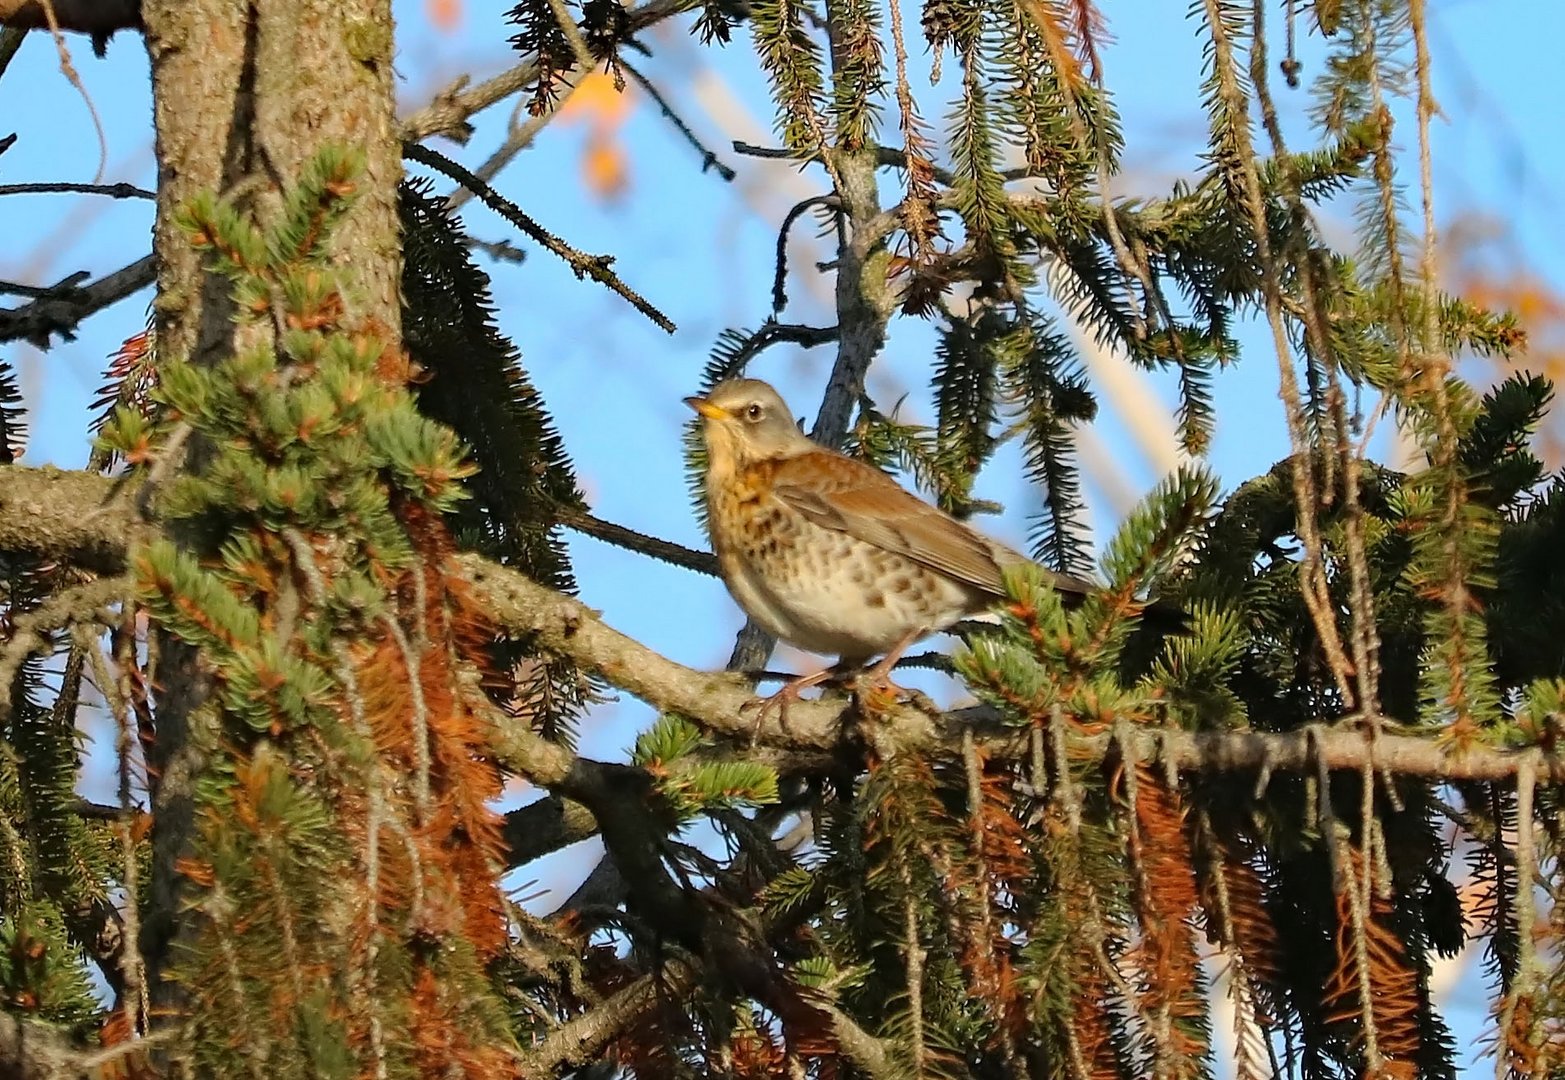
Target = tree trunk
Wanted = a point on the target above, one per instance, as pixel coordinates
(244, 94)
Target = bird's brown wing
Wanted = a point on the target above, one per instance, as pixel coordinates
(839, 493)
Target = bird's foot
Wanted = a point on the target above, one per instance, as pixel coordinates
(791, 692)
(876, 692)
(874, 688)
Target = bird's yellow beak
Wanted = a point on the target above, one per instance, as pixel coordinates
(707, 409)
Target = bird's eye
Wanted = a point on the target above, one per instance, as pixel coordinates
(754, 412)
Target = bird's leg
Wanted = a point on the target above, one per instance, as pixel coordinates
(878, 678)
(786, 696)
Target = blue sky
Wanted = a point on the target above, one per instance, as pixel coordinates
(701, 250)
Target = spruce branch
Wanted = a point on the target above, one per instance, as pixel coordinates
(31, 632)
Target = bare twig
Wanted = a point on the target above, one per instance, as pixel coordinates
(708, 158)
(499, 250)
(114, 191)
(780, 277)
(618, 535)
(519, 136)
(68, 69)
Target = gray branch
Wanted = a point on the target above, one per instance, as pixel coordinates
(61, 308)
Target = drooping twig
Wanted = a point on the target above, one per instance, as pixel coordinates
(593, 266)
(1365, 640)
(780, 276)
(1312, 584)
(68, 69)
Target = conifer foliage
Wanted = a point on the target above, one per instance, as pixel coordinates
(1302, 744)
(341, 822)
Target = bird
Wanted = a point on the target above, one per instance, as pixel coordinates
(829, 553)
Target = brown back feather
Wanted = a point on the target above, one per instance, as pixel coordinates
(836, 492)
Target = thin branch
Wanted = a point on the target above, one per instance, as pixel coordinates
(498, 250)
(1312, 579)
(708, 158)
(68, 69)
(631, 540)
(62, 308)
(114, 191)
(519, 136)
(593, 266)
(780, 277)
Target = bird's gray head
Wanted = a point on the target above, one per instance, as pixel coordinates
(746, 420)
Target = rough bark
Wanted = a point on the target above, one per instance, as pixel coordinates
(30, 1050)
(245, 94)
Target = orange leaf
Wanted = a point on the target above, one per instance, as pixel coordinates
(603, 167)
(445, 14)
(599, 101)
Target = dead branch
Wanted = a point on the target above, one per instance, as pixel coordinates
(63, 307)
(113, 191)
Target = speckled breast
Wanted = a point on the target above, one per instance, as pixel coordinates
(816, 588)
